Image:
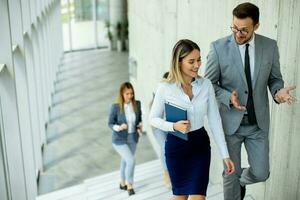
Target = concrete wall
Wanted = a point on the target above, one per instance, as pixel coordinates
(30, 50)
(155, 26)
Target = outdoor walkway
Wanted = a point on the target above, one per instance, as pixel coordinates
(78, 138)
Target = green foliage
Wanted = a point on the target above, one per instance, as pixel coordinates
(109, 35)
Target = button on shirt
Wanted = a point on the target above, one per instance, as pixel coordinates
(251, 49)
(203, 104)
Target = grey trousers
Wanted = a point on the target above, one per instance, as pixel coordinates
(256, 143)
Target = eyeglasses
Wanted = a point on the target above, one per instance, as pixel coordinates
(242, 31)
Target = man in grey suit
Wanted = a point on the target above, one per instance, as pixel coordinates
(242, 67)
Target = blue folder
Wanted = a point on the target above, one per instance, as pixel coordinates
(174, 114)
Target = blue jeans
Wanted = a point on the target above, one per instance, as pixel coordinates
(127, 153)
(161, 139)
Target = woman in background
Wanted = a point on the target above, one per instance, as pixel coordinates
(160, 137)
(125, 121)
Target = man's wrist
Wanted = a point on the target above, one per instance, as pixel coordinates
(274, 96)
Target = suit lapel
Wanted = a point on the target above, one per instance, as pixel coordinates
(236, 58)
(258, 57)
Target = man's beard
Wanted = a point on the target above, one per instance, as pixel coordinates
(244, 42)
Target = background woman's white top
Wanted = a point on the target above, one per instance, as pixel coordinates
(203, 104)
(130, 118)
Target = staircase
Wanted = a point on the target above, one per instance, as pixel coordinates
(148, 186)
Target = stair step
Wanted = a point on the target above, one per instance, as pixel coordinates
(114, 181)
(64, 194)
(140, 184)
(148, 186)
(108, 176)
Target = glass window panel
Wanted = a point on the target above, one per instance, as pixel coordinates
(65, 20)
(102, 13)
(82, 24)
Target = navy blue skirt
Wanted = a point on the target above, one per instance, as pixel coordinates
(188, 162)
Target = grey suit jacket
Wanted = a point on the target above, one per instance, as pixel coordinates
(226, 71)
(116, 117)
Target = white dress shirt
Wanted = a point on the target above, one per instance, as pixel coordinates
(130, 119)
(203, 104)
(251, 50)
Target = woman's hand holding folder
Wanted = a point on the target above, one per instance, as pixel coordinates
(183, 126)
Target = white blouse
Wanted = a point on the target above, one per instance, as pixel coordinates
(203, 104)
(130, 118)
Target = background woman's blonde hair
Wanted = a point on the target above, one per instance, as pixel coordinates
(181, 49)
(120, 99)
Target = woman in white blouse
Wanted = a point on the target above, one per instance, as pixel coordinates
(188, 161)
(125, 121)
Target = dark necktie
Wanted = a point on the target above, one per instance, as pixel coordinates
(250, 105)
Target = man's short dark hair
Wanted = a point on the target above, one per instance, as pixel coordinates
(245, 10)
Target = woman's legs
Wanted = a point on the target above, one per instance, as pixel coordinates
(197, 197)
(126, 152)
(179, 197)
(161, 140)
(122, 171)
(132, 147)
(190, 197)
(167, 179)
(160, 137)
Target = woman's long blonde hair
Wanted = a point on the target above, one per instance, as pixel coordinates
(181, 49)
(120, 99)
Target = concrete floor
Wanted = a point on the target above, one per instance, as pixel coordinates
(78, 138)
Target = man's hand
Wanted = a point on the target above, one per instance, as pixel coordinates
(283, 95)
(183, 126)
(234, 99)
(230, 169)
(140, 129)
